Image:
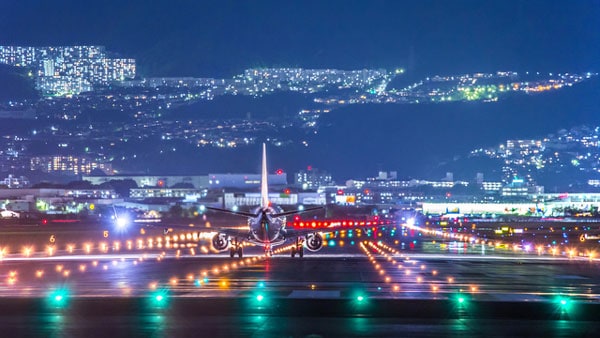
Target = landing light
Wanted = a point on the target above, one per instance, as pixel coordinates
(121, 222)
(260, 298)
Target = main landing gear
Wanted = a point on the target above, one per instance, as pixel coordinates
(236, 248)
(298, 249)
(239, 251)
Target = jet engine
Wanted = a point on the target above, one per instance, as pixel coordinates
(220, 242)
(314, 241)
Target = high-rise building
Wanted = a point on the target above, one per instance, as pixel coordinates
(69, 70)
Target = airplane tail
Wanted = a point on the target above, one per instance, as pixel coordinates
(264, 187)
(264, 196)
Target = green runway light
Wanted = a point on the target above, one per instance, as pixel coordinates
(564, 302)
(462, 300)
(159, 299)
(58, 298)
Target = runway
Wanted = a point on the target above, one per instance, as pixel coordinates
(371, 285)
(422, 276)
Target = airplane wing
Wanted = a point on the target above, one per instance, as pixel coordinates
(238, 213)
(293, 212)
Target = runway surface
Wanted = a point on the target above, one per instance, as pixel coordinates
(353, 287)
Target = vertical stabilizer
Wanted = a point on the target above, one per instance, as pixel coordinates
(264, 186)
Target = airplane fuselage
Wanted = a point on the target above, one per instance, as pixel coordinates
(266, 230)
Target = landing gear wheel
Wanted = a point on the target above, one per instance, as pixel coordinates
(301, 252)
(240, 251)
(293, 252)
(231, 252)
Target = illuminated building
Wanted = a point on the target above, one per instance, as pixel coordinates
(152, 181)
(218, 181)
(69, 70)
(75, 165)
(15, 182)
(230, 200)
(312, 178)
(518, 188)
(189, 194)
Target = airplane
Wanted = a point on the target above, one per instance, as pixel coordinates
(266, 226)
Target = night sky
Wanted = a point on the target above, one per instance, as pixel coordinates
(222, 38)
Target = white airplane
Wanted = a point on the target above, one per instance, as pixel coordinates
(266, 226)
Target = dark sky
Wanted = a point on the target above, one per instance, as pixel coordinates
(220, 38)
